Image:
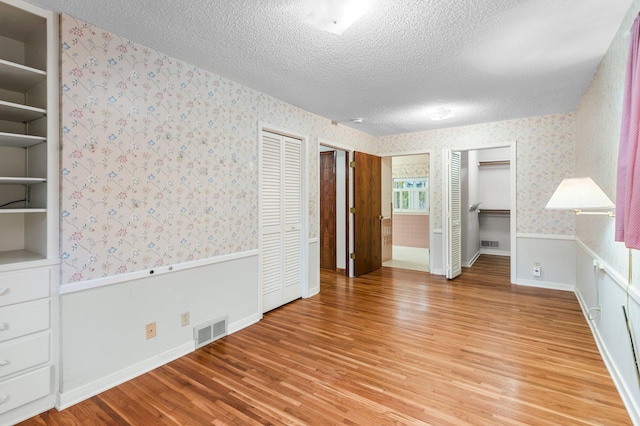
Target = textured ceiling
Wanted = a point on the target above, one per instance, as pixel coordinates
(488, 60)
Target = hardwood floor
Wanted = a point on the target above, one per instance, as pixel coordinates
(392, 347)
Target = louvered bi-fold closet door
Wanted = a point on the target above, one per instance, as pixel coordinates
(281, 210)
(455, 217)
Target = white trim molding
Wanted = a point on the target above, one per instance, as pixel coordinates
(604, 326)
(116, 279)
(634, 291)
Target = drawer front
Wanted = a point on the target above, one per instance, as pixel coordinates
(24, 389)
(24, 286)
(20, 354)
(23, 319)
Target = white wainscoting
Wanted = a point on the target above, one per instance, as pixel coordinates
(436, 262)
(103, 328)
(556, 255)
(313, 283)
(598, 285)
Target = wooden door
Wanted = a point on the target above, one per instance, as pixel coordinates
(367, 197)
(328, 210)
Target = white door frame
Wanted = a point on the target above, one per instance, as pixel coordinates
(304, 222)
(513, 194)
(349, 150)
(428, 152)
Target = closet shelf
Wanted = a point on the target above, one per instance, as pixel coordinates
(15, 140)
(17, 112)
(18, 77)
(494, 163)
(22, 210)
(15, 256)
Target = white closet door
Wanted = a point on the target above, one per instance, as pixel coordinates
(292, 219)
(271, 213)
(454, 217)
(281, 213)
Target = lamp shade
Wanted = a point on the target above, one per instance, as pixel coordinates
(579, 194)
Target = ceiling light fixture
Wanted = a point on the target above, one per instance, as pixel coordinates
(335, 16)
(441, 114)
(357, 120)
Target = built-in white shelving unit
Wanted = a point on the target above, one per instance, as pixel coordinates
(29, 168)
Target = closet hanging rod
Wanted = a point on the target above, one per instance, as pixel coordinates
(494, 163)
(494, 211)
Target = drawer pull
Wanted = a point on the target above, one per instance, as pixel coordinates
(4, 326)
(3, 290)
(3, 398)
(4, 362)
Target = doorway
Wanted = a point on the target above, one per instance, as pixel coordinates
(334, 224)
(487, 205)
(328, 215)
(408, 192)
(358, 236)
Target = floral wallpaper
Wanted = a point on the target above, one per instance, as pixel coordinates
(159, 158)
(545, 155)
(410, 170)
(598, 119)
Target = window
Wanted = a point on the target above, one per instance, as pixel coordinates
(410, 195)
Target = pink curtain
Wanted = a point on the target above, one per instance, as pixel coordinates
(628, 184)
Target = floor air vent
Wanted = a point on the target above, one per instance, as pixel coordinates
(485, 243)
(207, 333)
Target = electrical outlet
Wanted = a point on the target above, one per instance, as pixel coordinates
(184, 319)
(537, 269)
(151, 330)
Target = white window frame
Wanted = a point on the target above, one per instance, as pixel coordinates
(413, 195)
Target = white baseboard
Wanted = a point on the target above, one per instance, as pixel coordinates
(546, 284)
(494, 252)
(632, 406)
(67, 399)
(243, 323)
(470, 263)
(313, 292)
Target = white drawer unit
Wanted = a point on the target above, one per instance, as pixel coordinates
(24, 389)
(23, 286)
(23, 319)
(29, 209)
(21, 354)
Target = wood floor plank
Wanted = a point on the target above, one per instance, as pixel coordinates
(391, 347)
